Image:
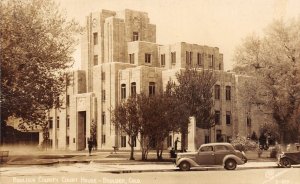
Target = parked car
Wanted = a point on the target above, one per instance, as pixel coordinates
(211, 154)
(292, 157)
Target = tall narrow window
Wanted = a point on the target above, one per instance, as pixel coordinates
(68, 121)
(217, 118)
(103, 139)
(228, 118)
(95, 60)
(135, 36)
(50, 122)
(57, 122)
(68, 100)
(67, 140)
(173, 57)
(211, 60)
(95, 38)
(103, 95)
(220, 66)
(151, 88)
(189, 56)
(199, 59)
(103, 75)
(133, 88)
(163, 60)
(248, 121)
(103, 118)
(147, 58)
(131, 58)
(228, 92)
(123, 91)
(217, 92)
(123, 141)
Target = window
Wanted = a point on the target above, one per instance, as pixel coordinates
(133, 88)
(199, 60)
(131, 58)
(147, 58)
(228, 118)
(103, 117)
(217, 118)
(67, 140)
(95, 37)
(220, 148)
(220, 66)
(206, 148)
(50, 122)
(151, 88)
(95, 60)
(103, 139)
(189, 56)
(219, 136)
(169, 141)
(163, 60)
(248, 121)
(173, 57)
(57, 122)
(206, 139)
(228, 92)
(123, 141)
(217, 92)
(103, 75)
(134, 141)
(73, 140)
(68, 121)
(103, 95)
(123, 91)
(135, 36)
(68, 100)
(211, 60)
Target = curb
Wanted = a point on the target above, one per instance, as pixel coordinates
(177, 170)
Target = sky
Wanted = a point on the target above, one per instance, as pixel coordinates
(216, 23)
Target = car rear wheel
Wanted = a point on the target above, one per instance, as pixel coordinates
(185, 166)
(230, 164)
(285, 162)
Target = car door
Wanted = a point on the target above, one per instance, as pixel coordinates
(220, 152)
(206, 156)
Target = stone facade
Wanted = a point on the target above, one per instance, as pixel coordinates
(120, 54)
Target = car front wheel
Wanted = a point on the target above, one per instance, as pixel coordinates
(285, 162)
(230, 164)
(185, 166)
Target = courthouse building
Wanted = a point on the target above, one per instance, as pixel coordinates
(120, 57)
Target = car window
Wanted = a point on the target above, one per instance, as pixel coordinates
(206, 148)
(221, 148)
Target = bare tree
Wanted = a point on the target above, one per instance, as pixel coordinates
(273, 62)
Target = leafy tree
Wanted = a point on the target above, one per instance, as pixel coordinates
(193, 97)
(37, 42)
(273, 63)
(157, 115)
(126, 118)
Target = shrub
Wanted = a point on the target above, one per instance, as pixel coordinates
(242, 144)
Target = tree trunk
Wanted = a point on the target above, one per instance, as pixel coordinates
(183, 140)
(131, 149)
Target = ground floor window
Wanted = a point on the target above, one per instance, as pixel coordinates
(123, 141)
(67, 140)
(169, 141)
(103, 139)
(206, 139)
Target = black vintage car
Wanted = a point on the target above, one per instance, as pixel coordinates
(286, 159)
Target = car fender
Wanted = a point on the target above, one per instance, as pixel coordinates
(285, 156)
(191, 161)
(234, 157)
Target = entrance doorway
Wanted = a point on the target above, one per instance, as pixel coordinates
(81, 142)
